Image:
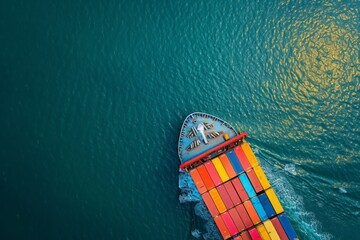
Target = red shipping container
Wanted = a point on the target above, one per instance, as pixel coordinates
(237, 219)
(225, 196)
(245, 235)
(254, 181)
(213, 173)
(210, 204)
(242, 158)
(254, 234)
(279, 229)
(229, 223)
(232, 193)
(244, 216)
(240, 189)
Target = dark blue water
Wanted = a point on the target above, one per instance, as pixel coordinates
(93, 95)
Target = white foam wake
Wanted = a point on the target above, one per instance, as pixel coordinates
(189, 194)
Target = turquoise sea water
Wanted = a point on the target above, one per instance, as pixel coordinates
(93, 95)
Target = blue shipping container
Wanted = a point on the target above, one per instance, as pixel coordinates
(287, 226)
(234, 161)
(247, 185)
(270, 212)
(259, 208)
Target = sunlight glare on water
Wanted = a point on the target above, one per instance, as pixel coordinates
(93, 95)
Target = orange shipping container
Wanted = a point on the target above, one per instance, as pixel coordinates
(222, 228)
(198, 181)
(217, 200)
(228, 166)
(252, 212)
(205, 177)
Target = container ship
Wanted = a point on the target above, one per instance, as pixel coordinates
(230, 180)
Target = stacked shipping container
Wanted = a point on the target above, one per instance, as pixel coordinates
(239, 197)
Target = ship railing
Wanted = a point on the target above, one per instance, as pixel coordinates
(211, 153)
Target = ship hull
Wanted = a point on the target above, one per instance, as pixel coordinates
(230, 180)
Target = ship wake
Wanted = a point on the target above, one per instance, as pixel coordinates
(293, 203)
(204, 228)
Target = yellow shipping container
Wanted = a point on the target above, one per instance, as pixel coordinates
(262, 178)
(274, 201)
(217, 200)
(220, 169)
(271, 230)
(262, 231)
(249, 154)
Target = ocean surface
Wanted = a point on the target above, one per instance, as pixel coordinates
(93, 95)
